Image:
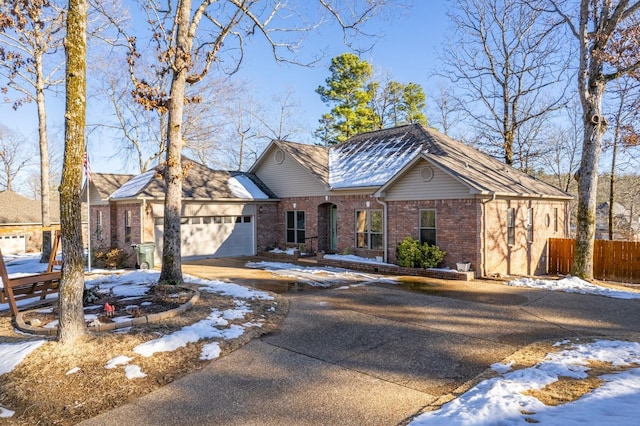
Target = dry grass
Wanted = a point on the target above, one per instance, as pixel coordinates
(40, 391)
(563, 391)
(568, 389)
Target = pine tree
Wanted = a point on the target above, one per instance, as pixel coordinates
(350, 90)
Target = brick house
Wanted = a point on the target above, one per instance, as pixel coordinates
(363, 196)
(367, 194)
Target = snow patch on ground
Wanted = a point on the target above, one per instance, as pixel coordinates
(501, 400)
(574, 285)
(319, 276)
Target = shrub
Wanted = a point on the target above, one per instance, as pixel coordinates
(432, 256)
(109, 258)
(412, 254)
(408, 253)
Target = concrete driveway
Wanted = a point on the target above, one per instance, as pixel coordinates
(371, 355)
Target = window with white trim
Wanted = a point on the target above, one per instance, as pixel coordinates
(428, 227)
(295, 227)
(98, 225)
(369, 229)
(128, 219)
(530, 224)
(511, 226)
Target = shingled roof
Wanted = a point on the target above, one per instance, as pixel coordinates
(374, 159)
(200, 182)
(17, 209)
(107, 183)
(313, 157)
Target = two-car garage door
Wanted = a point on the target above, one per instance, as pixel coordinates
(214, 236)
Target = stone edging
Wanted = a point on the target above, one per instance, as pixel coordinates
(447, 274)
(147, 319)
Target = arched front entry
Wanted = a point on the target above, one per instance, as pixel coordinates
(328, 227)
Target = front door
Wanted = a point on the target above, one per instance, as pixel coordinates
(333, 231)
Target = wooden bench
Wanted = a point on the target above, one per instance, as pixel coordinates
(31, 286)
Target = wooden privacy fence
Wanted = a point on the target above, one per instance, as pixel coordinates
(612, 260)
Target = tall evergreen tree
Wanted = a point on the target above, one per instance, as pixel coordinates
(413, 104)
(350, 90)
(361, 103)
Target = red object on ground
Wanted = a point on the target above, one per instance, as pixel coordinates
(109, 309)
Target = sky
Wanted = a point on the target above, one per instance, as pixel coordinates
(405, 49)
(499, 400)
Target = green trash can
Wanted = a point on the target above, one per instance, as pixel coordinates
(144, 253)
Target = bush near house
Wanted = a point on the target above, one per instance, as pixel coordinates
(413, 254)
(112, 258)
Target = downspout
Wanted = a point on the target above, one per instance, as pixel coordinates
(484, 232)
(143, 218)
(385, 209)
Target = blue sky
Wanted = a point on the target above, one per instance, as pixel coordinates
(405, 49)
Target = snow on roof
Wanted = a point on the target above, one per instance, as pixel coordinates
(370, 162)
(134, 185)
(243, 187)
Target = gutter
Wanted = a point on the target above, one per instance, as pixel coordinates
(385, 215)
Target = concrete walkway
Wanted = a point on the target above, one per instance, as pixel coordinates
(372, 355)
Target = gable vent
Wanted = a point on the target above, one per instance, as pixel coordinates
(278, 157)
(426, 173)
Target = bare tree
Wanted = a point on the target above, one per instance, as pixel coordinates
(192, 36)
(15, 157)
(508, 64)
(31, 34)
(71, 314)
(563, 156)
(625, 119)
(609, 47)
(448, 112)
(142, 141)
(279, 119)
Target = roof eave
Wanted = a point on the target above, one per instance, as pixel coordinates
(355, 188)
(523, 195)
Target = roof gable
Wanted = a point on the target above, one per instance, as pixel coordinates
(107, 183)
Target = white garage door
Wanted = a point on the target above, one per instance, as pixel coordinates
(13, 244)
(215, 236)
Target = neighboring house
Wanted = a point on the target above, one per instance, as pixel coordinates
(367, 194)
(219, 210)
(21, 222)
(626, 225)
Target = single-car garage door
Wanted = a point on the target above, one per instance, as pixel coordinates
(13, 244)
(215, 236)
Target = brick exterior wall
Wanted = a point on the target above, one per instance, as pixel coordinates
(462, 231)
(458, 223)
(113, 228)
(268, 226)
(103, 241)
(523, 257)
(317, 210)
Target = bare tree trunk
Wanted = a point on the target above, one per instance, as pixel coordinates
(588, 181)
(45, 197)
(612, 182)
(171, 259)
(71, 314)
